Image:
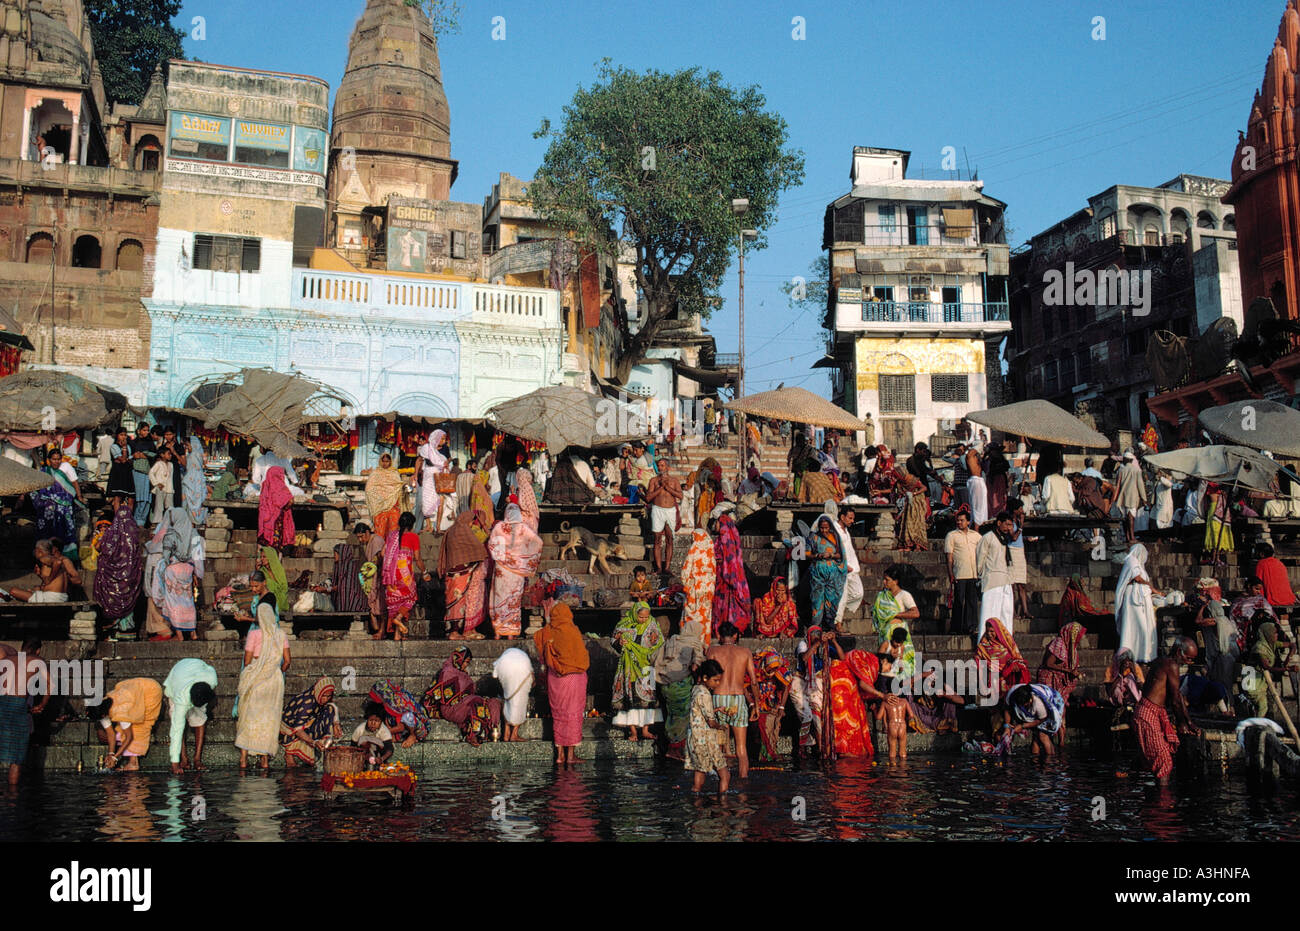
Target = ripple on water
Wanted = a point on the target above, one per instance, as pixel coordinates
(605, 800)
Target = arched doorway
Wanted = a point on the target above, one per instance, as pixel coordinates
(130, 256)
(148, 154)
(86, 252)
(39, 248)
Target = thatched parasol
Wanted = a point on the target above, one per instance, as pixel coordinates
(798, 405)
(266, 406)
(1040, 420)
(1224, 464)
(17, 479)
(561, 416)
(1257, 424)
(43, 401)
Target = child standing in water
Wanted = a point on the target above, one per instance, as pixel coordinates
(703, 746)
(895, 711)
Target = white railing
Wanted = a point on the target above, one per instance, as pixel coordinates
(505, 304)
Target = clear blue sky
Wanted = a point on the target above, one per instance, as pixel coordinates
(1045, 113)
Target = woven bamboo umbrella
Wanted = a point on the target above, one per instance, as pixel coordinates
(16, 479)
(1257, 424)
(797, 405)
(1040, 420)
(561, 416)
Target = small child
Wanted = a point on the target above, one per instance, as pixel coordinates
(160, 481)
(895, 712)
(703, 748)
(375, 737)
(641, 588)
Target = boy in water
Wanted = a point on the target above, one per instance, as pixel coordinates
(703, 747)
(895, 712)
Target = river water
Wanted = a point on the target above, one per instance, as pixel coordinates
(925, 799)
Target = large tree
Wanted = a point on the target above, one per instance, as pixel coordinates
(131, 37)
(656, 159)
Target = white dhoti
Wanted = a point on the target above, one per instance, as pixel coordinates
(997, 603)
(851, 600)
(977, 490)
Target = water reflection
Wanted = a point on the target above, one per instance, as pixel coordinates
(923, 798)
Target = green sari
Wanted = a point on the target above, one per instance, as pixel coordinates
(276, 581)
(634, 678)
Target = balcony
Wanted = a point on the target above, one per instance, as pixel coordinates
(423, 300)
(930, 312)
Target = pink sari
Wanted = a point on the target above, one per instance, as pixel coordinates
(399, 573)
(274, 511)
(568, 699)
(516, 550)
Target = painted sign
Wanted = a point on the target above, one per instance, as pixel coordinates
(245, 172)
(200, 127)
(309, 149)
(850, 295)
(256, 135)
(415, 214)
(407, 249)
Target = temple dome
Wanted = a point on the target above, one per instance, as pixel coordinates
(51, 40)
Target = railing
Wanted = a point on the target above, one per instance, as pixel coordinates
(903, 233)
(724, 360)
(933, 312)
(503, 304)
(399, 296)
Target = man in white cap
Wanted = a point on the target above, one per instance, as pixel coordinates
(1131, 494)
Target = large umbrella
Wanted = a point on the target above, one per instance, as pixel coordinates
(1227, 465)
(43, 401)
(1257, 424)
(1040, 420)
(561, 416)
(266, 406)
(17, 479)
(797, 405)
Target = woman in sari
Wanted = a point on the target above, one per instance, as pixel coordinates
(121, 477)
(261, 682)
(1038, 708)
(1077, 606)
(275, 511)
(894, 606)
(453, 698)
(384, 496)
(730, 588)
(699, 575)
(1218, 527)
(998, 646)
(638, 640)
(277, 583)
(916, 515)
(404, 714)
(119, 571)
(708, 489)
(774, 613)
(432, 462)
(227, 485)
(345, 581)
(310, 720)
(194, 488)
(1060, 666)
(463, 562)
(883, 481)
(853, 678)
(465, 487)
(564, 657)
(54, 504)
(772, 686)
(827, 574)
(401, 561)
(516, 549)
(1124, 680)
(677, 661)
(177, 585)
(1135, 612)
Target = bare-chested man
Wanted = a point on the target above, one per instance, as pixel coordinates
(53, 580)
(735, 701)
(663, 494)
(1156, 736)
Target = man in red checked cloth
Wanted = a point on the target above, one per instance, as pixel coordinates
(1156, 736)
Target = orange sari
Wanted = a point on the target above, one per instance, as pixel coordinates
(852, 725)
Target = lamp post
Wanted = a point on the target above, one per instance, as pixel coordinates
(739, 207)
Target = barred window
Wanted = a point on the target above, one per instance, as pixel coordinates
(898, 394)
(949, 388)
(227, 253)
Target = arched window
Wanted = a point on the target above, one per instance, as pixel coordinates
(148, 154)
(86, 252)
(1230, 222)
(39, 248)
(1205, 220)
(130, 256)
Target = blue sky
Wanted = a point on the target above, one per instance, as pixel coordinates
(1047, 114)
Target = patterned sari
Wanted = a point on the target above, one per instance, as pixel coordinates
(261, 689)
(516, 549)
(773, 682)
(852, 725)
(53, 504)
(399, 573)
(275, 510)
(383, 499)
(194, 488)
(776, 618)
(400, 708)
(120, 567)
(828, 573)
(699, 574)
(730, 588)
(452, 697)
(309, 715)
(998, 646)
(634, 677)
(1065, 647)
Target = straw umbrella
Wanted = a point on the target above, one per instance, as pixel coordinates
(1040, 420)
(1257, 424)
(16, 479)
(560, 416)
(797, 405)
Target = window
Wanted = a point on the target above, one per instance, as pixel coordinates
(1108, 226)
(86, 252)
(918, 226)
(1050, 374)
(949, 388)
(898, 394)
(1137, 342)
(458, 244)
(1083, 363)
(888, 223)
(227, 253)
(39, 247)
(1151, 236)
(130, 256)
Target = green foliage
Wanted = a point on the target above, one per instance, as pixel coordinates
(444, 15)
(131, 37)
(814, 285)
(657, 158)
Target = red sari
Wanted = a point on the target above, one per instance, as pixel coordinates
(852, 725)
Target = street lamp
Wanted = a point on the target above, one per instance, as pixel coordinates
(739, 207)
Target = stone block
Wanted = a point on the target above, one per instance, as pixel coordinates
(215, 547)
(332, 520)
(216, 535)
(221, 634)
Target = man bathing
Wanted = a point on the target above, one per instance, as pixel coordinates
(734, 700)
(1156, 736)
